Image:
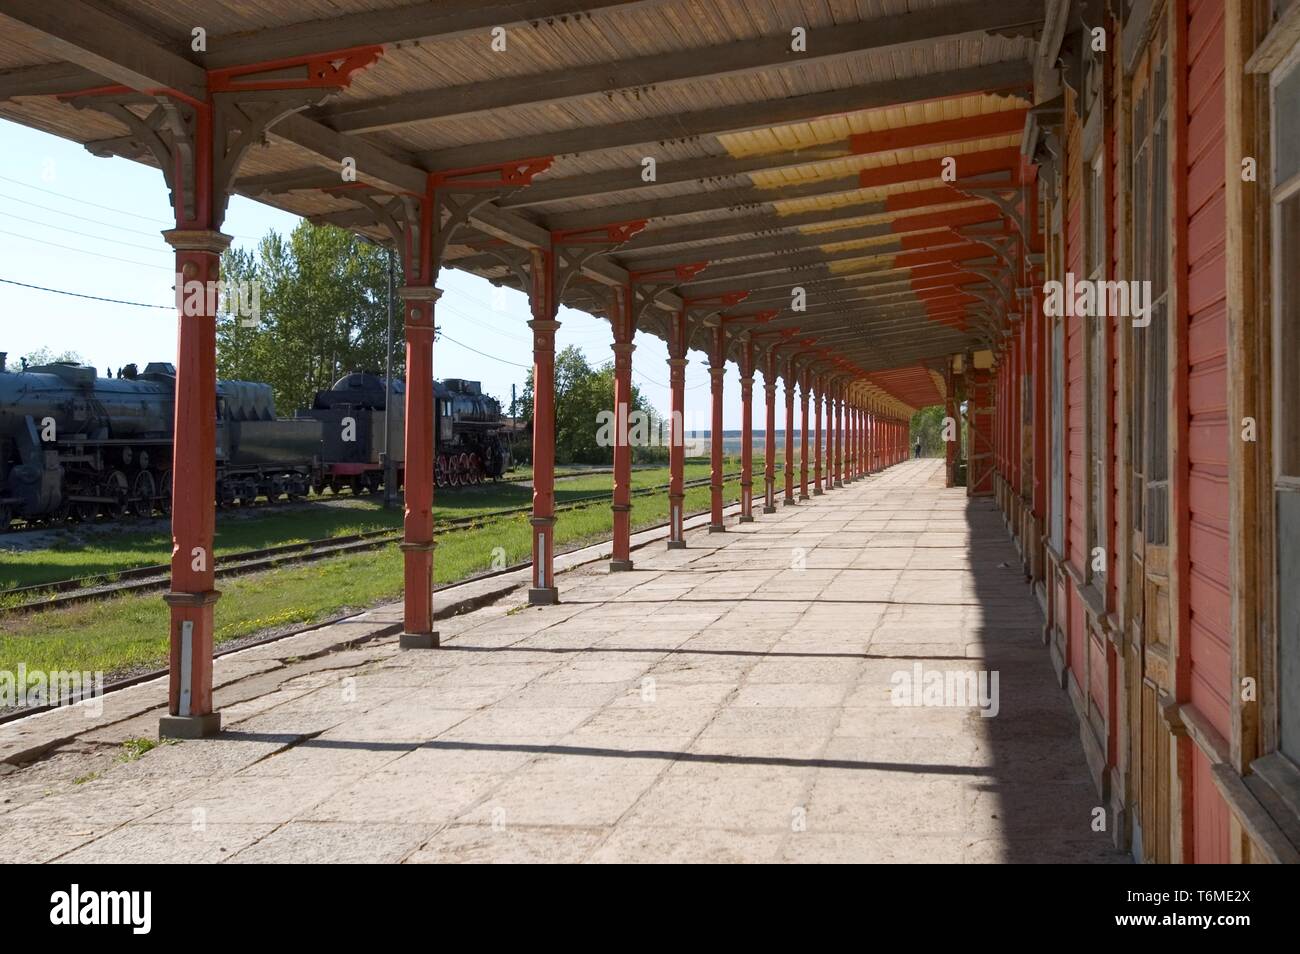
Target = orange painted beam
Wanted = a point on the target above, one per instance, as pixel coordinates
(968, 164)
(965, 129)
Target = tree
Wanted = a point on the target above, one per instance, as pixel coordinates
(48, 356)
(581, 394)
(927, 424)
(324, 312)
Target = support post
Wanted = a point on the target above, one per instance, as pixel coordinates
(851, 445)
(623, 323)
(417, 538)
(769, 434)
(677, 438)
(803, 437)
(950, 447)
(193, 596)
(789, 434)
(746, 429)
(854, 469)
(543, 591)
(835, 437)
(820, 408)
(717, 369)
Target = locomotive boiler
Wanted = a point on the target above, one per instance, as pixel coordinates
(75, 445)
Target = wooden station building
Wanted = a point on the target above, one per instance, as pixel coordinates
(884, 204)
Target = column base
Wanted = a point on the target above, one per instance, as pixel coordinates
(676, 544)
(746, 518)
(839, 483)
(418, 641)
(717, 528)
(619, 566)
(802, 496)
(189, 727)
(543, 596)
(818, 492)
(788, 502)
(767, 509)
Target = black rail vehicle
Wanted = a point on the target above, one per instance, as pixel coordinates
(77, 446)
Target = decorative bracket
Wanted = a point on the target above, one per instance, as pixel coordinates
(199, 142)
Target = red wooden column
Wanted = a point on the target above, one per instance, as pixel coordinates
(201, 154)
(622, 322)
(820, 407)
(871, 441)
(746, 429)
(803, 435)
(1041, 379)
(853, 441)
(789, 433)
(857, 442)
(545, 306)
(677, 432)
(950, 447)
(769, 434)
(417, 536)
(193, 595)
(717, 368)
(839, 434)
(830, 434)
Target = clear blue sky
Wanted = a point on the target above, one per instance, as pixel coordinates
(71, 221)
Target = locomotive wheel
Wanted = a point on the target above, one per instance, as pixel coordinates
(165, 492)
(143, 490)
(117, 487)
(475, 469)
(466, 471)
(440, 474)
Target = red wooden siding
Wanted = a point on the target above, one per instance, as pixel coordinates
(1207, 357)
(1208, 426)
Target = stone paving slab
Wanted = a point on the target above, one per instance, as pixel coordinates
(730, 702)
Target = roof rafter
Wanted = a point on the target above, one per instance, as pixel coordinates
(660, 69)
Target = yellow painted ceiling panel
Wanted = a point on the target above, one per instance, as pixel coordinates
(852, 165)
(833, 129)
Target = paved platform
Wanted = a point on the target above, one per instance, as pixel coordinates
(733, 701)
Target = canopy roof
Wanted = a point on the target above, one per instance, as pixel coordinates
(821, 167)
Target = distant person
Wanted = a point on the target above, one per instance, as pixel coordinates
(916, 451)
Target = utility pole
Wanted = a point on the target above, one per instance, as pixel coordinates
(513, 400)
(390, 471)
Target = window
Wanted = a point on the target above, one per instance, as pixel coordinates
(1286, 392)
(1057, 359)
(1150, 348)
(1098, 377)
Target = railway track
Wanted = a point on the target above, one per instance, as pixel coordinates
(144, 579)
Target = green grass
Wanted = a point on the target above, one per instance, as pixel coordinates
(91, 551)
(129, 632)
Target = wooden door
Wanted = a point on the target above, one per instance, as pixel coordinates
(1149, 609)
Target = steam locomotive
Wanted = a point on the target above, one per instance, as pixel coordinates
(77, 446)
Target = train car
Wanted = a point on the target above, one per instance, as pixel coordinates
(73, 444)
(468, 441)
(78, 446)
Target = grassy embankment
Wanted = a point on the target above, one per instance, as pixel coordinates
(131, 631)
(76, 552)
